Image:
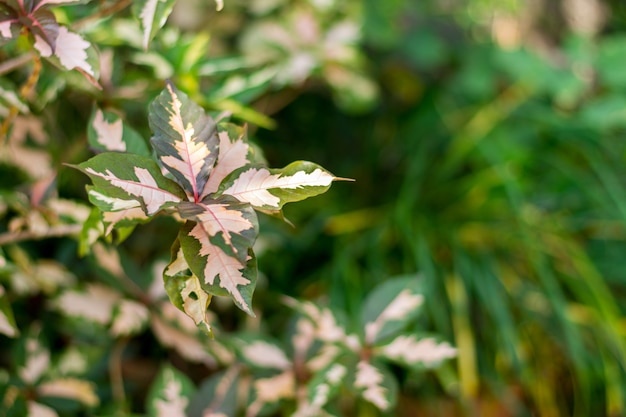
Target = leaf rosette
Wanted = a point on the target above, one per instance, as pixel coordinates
(206, 174)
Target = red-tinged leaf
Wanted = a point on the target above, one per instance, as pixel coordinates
(219, 273)
(131, 177)
(9, 25)
(270, 189)
(43, 25)
(185, 139)
(233, 154)
(230, 225)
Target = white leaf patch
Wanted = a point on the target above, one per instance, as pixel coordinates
(116, 204)
(130, 318)
(231, 156)
(147, 188)
(195, 308)
(229, 269)
(270, 390)
(95, 304)
(40, 410)
(369, 378)
(402, 305)
(266, 355)
(252, 185)
(411, 350)
(174, 404)
(112, 218)
(5, 29)
(71, 49)
(38, 360)
(76, 389)
(109, 133)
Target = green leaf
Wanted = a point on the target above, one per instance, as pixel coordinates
(152, 15)
(390, 307)
(218, 395)
(122, 178)
(185, 139)
(408, 349)
(91, 231)
(270, 189)
(169, 394)
(185, 291)
(232, 226)
(220, 273)
(7, 321)
(107, 132)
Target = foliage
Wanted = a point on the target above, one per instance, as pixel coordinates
(486, 141)
(205, 181)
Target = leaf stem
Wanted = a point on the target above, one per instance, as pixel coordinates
(57, 231)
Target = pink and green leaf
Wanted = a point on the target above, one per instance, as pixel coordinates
(107, 132)
(231, 225)
(390, 307)
(152, 15)
(185, 291)
(133, 177)
(234, 153)
(170, 394)
(220, 273)
(376, 385)
(270, 189)
(185, 139)
(410, 350)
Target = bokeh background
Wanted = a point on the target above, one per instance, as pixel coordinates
(487, 141)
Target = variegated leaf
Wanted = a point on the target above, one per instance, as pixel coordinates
(376, 385)
(232, 226)
(42, 3)
(270, 189)
(70, 388)
(390, 307)
(152, 15)
(71, 51)
(37, 359)
(130, 318)
(263, 354)
(133, 177)
(185, 139)
(410, 350)
(234, 153)
(169, 394)
(116, 211)
(219, 395)
(107, 132)
(220, 273)
(9, 27)
(39, 410)
(7, 321)
(321, 389)
(94, 303)
(271, 390)
(185, 291)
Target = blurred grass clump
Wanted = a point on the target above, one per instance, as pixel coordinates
(487, 143)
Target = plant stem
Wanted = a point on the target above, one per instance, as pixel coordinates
(57, 231)
(24, 93)
(15, 63)
(101, 14)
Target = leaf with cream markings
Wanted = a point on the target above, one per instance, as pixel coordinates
(152, 15)
(270, 189)
(185, 139)
(219, 273)
(107, 132)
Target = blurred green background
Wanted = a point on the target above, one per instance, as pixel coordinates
(486, 139)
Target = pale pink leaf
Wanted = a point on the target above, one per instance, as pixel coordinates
(71, 50)
(71, 388)
(232, 155)
(109, 134)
